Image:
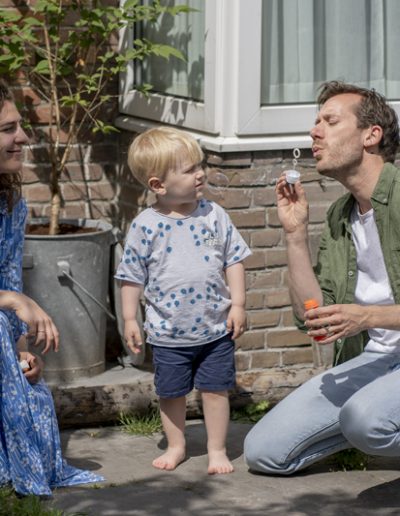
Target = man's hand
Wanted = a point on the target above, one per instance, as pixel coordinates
(34, 373)
(236, 322)
(292, 205)
(337, 321)
(133, 336)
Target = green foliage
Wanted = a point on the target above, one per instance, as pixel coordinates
(350, 460)
(141, 424)
(11, 505)
(66, 49)
(250, 413)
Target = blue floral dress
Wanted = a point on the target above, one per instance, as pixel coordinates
(30, 451)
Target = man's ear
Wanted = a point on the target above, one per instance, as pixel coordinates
(156, 185)
(372, 137)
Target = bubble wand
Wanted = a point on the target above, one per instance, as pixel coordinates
(292, 176)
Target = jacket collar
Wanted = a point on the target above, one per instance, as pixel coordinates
(339, 213)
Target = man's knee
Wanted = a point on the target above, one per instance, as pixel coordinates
(261, 452)
(364, 430)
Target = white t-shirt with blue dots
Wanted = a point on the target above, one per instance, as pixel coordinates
(180, 263)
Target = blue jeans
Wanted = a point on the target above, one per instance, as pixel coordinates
(353, 405)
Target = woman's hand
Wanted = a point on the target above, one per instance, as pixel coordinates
(40, 325)
(34, 373)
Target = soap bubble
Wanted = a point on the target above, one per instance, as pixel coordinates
(217, 182)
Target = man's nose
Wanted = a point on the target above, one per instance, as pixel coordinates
(315, 132)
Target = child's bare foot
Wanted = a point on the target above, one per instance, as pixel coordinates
(170, 459)
(218, 463)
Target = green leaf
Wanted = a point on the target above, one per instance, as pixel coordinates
(42, 68)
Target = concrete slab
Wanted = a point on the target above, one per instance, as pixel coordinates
(134, 487)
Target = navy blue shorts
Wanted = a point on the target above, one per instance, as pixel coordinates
(209, 367)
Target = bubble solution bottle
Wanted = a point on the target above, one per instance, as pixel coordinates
(322, 353)
(309, 304)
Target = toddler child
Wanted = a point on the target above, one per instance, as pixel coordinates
(188, 256)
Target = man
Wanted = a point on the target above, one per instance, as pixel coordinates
(357, 285)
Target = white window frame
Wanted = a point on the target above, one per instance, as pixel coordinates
(200, 116)
(231, 117)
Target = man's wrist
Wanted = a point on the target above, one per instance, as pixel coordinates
(300, 235)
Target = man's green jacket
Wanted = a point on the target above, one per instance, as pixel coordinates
(336, 268)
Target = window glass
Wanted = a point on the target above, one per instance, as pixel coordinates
(306, 42)
(186, 32)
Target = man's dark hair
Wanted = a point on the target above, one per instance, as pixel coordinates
(10, 184)
(373, 109)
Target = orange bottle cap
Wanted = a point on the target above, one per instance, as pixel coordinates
(310, 303)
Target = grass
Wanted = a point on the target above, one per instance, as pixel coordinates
(250, 413)
(12, 505)
(141, 424)
(149, 423)
(350, 460)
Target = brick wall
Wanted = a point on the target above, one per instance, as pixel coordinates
(273, 356)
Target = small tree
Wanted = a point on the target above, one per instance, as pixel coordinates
(71, 68)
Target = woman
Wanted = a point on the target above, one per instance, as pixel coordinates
(30, 453)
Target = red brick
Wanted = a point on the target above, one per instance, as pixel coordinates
(236, 199)
(70, 211)
(264, 197)
(265, 359)
(254, 300)
(30, 174)
(272, 218)
(236, 159)
(275, 257)
(255, 261)
(318, 213)
(287, 317)
(297, 356)
(74, 191)
(102, 191)
(277, 298)
(248, 177)
(264, 279)
(248, 218)
(262, 318)
(73, 172)
(265, 237)
(242, 361)
(286, 338)
(102, 209)
(250, 340)
(94, 171)
(36, 193)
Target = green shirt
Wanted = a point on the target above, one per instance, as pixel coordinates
(336, 268)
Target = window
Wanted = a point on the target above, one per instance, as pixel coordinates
(254, 67)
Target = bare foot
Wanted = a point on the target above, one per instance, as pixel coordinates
(218, 463)
(170, 459)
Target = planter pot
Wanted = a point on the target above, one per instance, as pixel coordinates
(63, 274)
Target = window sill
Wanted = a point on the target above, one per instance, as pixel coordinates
(223, 143)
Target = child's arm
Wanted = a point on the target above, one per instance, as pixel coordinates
(235, 279)
(130, 293)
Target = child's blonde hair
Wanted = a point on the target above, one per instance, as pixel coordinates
(160, 150)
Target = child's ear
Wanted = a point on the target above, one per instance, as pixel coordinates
(156, 185)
